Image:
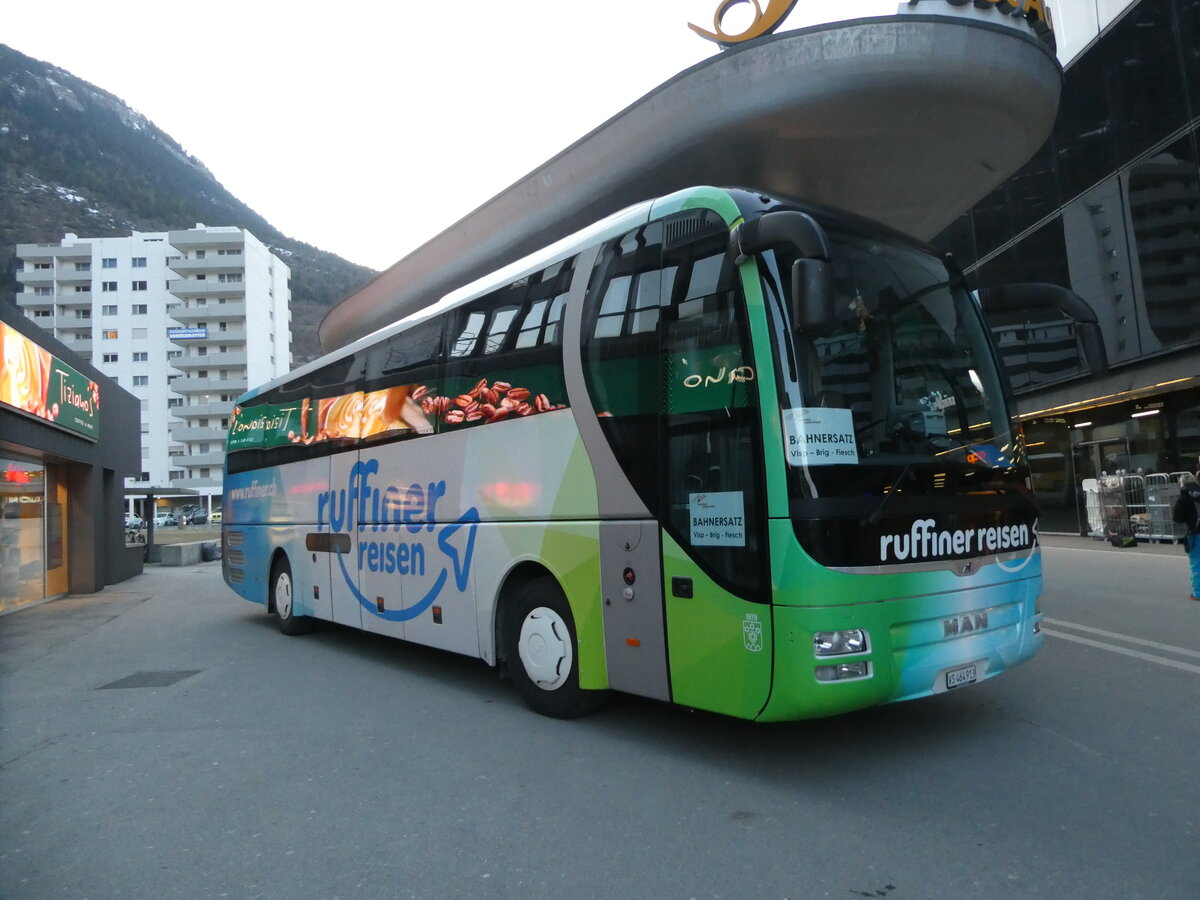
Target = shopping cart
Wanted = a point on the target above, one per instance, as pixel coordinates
(1095, 514)
(1134, 488)
(1114, 512)
(1162, 490)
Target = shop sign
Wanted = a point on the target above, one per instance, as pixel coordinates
(37, 383)
(1035, 13)
(186, 334)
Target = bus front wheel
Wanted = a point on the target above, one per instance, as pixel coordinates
(542, 653)
(282, 600)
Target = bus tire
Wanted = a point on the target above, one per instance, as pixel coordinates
(543, 653)
(283, 600)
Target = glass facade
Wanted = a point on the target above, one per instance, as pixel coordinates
(28, 548)
(1110, 208)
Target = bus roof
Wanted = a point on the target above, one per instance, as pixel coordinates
(908, 120)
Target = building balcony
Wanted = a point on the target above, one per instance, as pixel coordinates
(213, 337)
(36, 276)
(206, 240)
(208, 312)
(204, 486)
(203, 410)
(184, 433)
(77, 345)
(192, 386)
(210, 264)
(208, 288)
(48, 252)
(39, 252)
(209, 360)
(47, 323)
(198, 460)
(74, 298)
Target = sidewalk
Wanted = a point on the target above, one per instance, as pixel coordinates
(1055, 539)
(30, 632)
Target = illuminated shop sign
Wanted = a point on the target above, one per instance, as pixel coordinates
(186, 334)
(37, 383)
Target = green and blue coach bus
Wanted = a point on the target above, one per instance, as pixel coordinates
(719, 449)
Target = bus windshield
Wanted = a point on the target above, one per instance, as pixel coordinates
(900, 390)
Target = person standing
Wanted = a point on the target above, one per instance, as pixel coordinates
(1187, 511)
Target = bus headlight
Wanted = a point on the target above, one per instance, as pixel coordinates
(843, 671)
(838, 643)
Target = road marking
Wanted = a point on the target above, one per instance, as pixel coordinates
(1125, 651)
(1182, 651)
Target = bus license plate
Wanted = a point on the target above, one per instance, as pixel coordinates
(959, 677)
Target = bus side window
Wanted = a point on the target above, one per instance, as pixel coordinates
(400, 372)
(506, 340)
(300, 399)
(468, 334)
(620, 350)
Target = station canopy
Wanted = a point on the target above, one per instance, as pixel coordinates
(909, 120)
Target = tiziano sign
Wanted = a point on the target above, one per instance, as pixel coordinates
(36, 382)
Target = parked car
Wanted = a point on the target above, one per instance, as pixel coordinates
(215, 518)
(133, 521)
(198, 517)
(163, 519)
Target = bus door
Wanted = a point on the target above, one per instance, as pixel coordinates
(719, 623)
(340, 518)
(671, 385)
(312, 548)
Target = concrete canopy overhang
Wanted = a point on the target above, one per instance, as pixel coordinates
(909, 120)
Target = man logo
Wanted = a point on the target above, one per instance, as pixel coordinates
(765, 21)
(957, 625)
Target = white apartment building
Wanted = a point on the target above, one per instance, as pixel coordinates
(167, 315)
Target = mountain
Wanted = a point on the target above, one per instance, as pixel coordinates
(74, 158)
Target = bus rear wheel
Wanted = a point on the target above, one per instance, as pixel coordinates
(283, 600)
(543, 655)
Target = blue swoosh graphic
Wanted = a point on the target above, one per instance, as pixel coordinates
(462, 570)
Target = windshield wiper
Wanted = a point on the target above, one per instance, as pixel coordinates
(873, 517)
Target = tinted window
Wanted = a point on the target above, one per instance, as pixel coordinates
(505, 356)
(1146, 82)
(1164, 208)
(1038, 345)
(668, 363)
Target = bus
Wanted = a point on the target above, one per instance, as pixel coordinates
(720, 449)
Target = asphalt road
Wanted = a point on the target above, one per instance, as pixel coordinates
(340, 764)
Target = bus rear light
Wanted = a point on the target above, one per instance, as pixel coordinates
(843, 671)
(839, 643)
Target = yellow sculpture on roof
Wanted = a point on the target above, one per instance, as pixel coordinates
(765, 21)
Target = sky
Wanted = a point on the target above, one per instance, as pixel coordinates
(366, 128)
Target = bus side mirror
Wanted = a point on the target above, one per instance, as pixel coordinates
(812, 294)
(1016, 298)
(812, 279)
